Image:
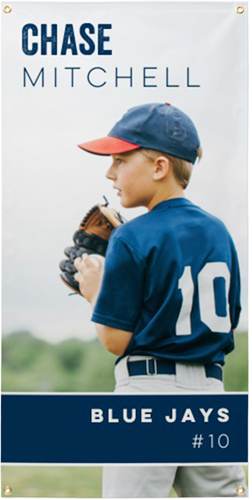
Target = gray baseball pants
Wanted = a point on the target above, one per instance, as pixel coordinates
(156, 481)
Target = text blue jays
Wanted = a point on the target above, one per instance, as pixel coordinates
(145, 415)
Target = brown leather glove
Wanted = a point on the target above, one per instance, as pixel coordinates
(92, 237)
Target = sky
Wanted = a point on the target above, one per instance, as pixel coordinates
(49, 183)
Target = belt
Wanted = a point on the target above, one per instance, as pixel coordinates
(153, 366)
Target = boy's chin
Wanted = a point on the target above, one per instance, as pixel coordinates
(131, 205)
(128, 204)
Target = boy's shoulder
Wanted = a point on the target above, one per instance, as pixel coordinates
(135, 233)
(160, 212)
(212, 218)
(211, 223)
(131, 226)
(162, 223)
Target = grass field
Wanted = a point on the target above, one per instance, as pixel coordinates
(55, 482)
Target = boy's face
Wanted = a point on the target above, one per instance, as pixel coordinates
(132, 174)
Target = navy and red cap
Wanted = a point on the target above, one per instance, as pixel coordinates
(161, 127)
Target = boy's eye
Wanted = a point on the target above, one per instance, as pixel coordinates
(119, 160)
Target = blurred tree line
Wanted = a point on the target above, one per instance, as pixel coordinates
(33, 365)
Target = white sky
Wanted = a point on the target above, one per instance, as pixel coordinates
(49, 183)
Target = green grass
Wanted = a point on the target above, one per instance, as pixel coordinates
(55, 482)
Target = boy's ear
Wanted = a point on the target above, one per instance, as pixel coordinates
(161, 168)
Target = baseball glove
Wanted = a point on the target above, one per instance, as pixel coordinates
(92, 238)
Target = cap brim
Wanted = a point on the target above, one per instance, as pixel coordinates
(108, 146)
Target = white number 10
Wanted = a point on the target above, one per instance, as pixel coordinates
(207, 307)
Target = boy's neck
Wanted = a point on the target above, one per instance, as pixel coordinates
(178, 192)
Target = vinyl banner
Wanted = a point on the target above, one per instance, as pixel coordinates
(124, 345)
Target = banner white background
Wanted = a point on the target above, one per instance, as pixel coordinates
(72, 307)
(49, 183)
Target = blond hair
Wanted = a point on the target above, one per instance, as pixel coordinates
(182, 169)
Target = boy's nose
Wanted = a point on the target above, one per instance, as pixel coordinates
(111, 173)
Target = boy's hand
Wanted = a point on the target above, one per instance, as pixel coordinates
(89, 276)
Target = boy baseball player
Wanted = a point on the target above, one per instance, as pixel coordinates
(166, 300)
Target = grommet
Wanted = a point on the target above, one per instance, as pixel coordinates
(240, 490)
(240, 9)
(7, 9)
(7, 490)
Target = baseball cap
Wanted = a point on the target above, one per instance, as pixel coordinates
(157, 126)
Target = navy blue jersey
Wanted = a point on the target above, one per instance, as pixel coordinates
(172, 278)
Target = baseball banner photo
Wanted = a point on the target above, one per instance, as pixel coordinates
(125, 311)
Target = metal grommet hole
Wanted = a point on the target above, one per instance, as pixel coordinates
(240, 9)
(240, 490)
(7, 490)
(7, 9)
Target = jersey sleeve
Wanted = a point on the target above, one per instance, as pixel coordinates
(119, 301)
(235, 290)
